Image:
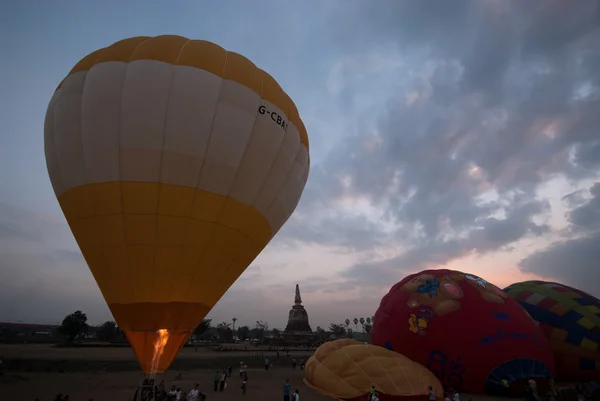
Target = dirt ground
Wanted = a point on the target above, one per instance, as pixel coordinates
(120, 386)
(103, 385)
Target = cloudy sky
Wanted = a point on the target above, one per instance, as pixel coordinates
(460, 134)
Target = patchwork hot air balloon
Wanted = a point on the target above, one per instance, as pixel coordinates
(346, 369)
(465, 330)
(175, 162)
(570, 319)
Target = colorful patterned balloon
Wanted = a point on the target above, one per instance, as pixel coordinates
(570, 319)
(464, 329)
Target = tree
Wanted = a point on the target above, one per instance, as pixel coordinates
(262, 325)
(362, 323)
(347, 321)
(275, 333)
(202, 327)
(368, 328)
(108, 331)
(355, 320)
(74, 325)
(369, 320)
(225, 332)
(350, 333)
(234, 320)
(256, 333)
(338, 330)
(243, 333)
(262, 328)
(120, 334)
(321, 333)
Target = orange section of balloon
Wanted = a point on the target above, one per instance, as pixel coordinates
(175, 162)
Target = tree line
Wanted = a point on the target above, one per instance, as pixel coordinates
(74, 327)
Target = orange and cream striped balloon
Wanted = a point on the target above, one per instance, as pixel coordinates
(175, 162)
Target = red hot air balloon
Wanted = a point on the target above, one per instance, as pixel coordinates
(465, 330)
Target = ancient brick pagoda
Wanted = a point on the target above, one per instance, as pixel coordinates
(298, 329)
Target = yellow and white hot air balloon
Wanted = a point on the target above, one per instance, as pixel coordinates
(175, 162)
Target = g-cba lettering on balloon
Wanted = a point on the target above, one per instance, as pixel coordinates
(279, 120)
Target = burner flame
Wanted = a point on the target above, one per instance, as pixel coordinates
(159, 348)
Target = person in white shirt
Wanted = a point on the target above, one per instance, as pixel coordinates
(194, 393)
(296, 395)
(172, 393)
(375, 397)
(456, 396)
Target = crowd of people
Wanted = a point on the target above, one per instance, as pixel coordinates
(150, 391)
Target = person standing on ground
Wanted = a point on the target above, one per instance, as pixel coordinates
(431, 394)
(266, 363)
(244, 384)
(194, 393)
(286, 390)
(222, 380)
(505, 387)
(371, 392)
(172, 394)
(216, 381)
(296, 395)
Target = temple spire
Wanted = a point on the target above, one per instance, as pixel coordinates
(297, 298)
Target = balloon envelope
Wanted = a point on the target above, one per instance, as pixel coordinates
(175, 162)
(464, 329)
(346, 369)
(570, 319)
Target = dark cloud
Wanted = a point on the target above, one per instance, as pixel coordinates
(574, 261)
(13, 224)
(494, 98)
(587, 216)
(490, 235)
(505, 99)
(46, 275)
(356, 233)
